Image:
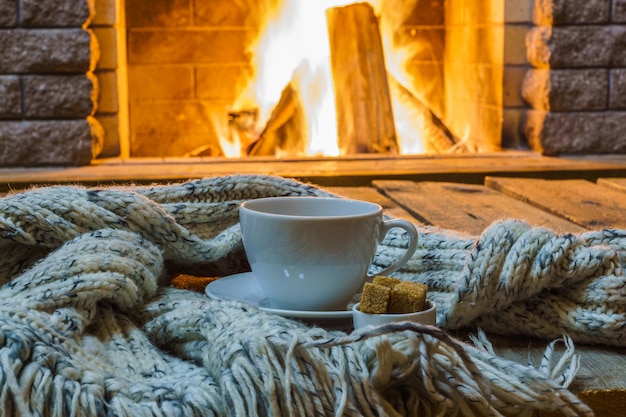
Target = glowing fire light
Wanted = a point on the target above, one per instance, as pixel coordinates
(294, 48)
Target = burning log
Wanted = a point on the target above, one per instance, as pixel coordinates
(365, 122)
(438, 139)
(363, 90)
(285, 129)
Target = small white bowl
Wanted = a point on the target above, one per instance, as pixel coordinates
(427, 316)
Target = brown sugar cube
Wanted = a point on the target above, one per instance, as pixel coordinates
(193, 283)
(374, 298)
(407, 297)
(388, 282)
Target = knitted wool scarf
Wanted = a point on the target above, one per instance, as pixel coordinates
(89, 325)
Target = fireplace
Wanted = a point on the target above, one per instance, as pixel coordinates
(114, 78)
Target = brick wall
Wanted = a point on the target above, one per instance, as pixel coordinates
(48, 91)
(186, 65)
(576, 87)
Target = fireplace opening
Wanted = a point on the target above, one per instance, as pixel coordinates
(106, 79)
(313, 79)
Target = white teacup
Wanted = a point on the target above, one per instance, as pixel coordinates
(313, 253)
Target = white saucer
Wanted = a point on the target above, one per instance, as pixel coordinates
(244, 287)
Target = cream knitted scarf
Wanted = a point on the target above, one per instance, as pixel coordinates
(89, 325)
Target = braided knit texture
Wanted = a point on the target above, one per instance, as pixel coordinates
(89, 325)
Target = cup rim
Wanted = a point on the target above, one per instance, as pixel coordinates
(254, 206)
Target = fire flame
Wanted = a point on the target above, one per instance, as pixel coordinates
(293, 51)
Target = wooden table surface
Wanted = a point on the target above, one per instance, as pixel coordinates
(571, 205)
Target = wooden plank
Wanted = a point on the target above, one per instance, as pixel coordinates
(601, 367)
(582, 202)
(323, 171)
(285, 129)
(601, 378)
(615, 183)
(370, 194)
(365, 122)
(465, 208)
(436, 137)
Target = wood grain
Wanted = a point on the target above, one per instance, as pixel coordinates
(372, 195)
(582, 202)
(365, 122)
(615, 183)
(345, 171)
(466, 208)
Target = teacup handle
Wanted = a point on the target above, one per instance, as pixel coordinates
(412, 231)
